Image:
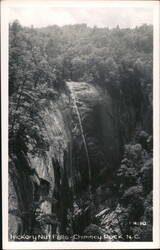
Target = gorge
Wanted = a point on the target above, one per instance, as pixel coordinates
(80, 137)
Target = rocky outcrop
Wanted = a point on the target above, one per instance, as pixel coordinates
(85, 130)
(37, 180)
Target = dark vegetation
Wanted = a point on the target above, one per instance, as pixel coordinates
(116, 61)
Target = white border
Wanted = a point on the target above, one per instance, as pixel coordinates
(79, 3)
(6, 4)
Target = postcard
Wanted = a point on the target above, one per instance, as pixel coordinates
(80, 124)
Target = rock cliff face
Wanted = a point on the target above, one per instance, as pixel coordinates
(36, 181)
(86, 130)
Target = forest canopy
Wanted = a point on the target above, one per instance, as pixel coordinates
(41, 59)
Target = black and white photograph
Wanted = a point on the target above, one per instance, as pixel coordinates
(81, 127)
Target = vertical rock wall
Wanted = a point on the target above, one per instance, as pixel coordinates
(43, 187)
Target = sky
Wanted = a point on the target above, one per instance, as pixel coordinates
(101, 17)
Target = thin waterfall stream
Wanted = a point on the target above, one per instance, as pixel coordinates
(73, 96)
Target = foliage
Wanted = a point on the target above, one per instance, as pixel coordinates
(119, 61)
(135, 178)
(41, 59)
(31, 82)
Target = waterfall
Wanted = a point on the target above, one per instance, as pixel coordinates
(73, 96)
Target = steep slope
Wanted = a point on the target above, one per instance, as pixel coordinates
(62, 188)
(37, 180)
